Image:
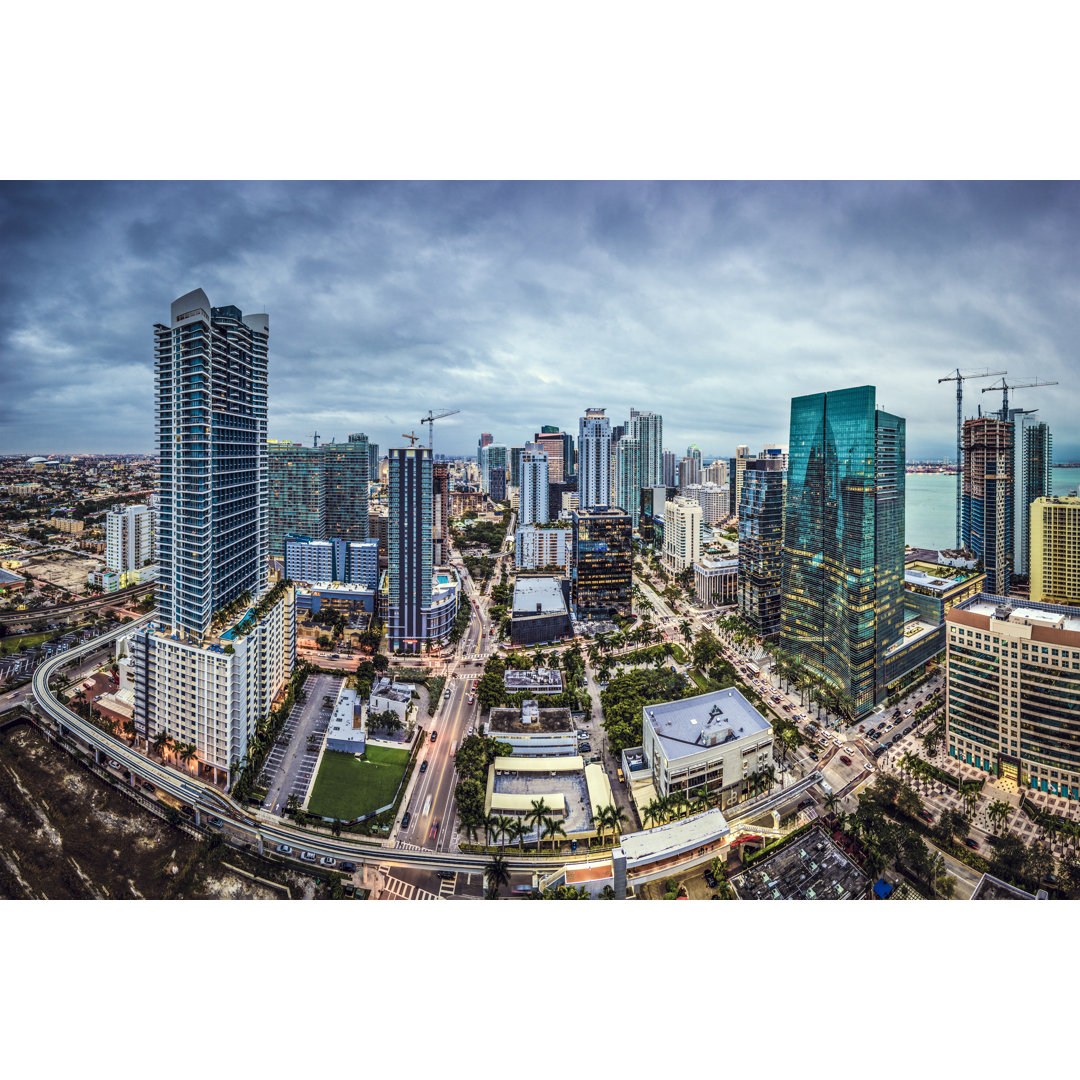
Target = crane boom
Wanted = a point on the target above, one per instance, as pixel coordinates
(430, 419)
(1006, 387)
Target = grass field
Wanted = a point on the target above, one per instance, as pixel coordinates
(12, 643)
(347, 786)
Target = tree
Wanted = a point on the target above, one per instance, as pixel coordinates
(537, 815)
(554, 828)
(616, 818)
(498, 874)
(161, 742)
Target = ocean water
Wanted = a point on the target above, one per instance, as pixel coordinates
(930, 506)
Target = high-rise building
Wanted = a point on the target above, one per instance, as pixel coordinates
(211, 366)
(515, 453)
(497, 483)
(542, 547)
(1055, 549)
(737, 466)
(440, 509)
(492, 456)
(682, 534)
(716, 473)
(694, 451)
(534, 488)
(594, 459)
(485, 440)
(713, 500)
(346, 480)
(761, 546)
(352, 562)
(129, 538)
(648, 429)
(410, 546)
(557, 494)
(1011, 692)
(554, 445)
(628, 477)
(602, 561)
(373, 461)
(689, 472)
(842, 605)
(208, 669)
(297, 493)
(669, 469)
(988, 498)
(1032, 463)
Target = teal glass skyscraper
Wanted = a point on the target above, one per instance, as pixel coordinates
(761, 545)
(842, 605)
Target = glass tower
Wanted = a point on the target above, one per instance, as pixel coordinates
(761, 545)
(842, 602)
(297, 493)
(988, 498)
(346, 473)
(210, 368)
(602, 539)
(1035, 447)
(410, 545)
(594, 459)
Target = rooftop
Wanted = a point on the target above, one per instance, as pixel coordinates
(992, 888)
(547, 678)
(674, 837)
(512, 722)
(1025, 612)
(710, 562)
(392, 691)
(518, 781)
(811, 867)
(688, 726)
(538, 595)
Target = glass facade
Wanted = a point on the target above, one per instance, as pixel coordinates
(761, 546)
(602, 540)
(410, 545)
(988, 498)
(842, 602)
(297, 493)
(1033, 481)
(346, 474)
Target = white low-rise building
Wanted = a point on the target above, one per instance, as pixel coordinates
(537, 547)
(716, 581)
(346, 733)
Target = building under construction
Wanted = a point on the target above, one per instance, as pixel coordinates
(988, 498)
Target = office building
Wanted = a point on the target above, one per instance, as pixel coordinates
(129, 539)
(602, 562)
(716, 581)
(842, 604)
(1032, 463)
(712, 744)
(988, 498)
(485, 440)
(553, 443)
(1013, 691)
(682, 534)
(533, 731)
(651, 513)
(514, 456)
(497, 484)
(353, 562)
(346, 480)
(208, 669)
(1055, 550)
(669, 474)
(540, 611)
(533, 492)
(440, 513)
(373, 461)
(492, 456)
(594, 460)
(761, 546)
(557, 494)
(297, 493)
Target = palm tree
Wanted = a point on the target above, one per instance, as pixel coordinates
(686, 630)
(161, 742)
(498, 875)
(874, 863)
(616, 817)
(503, 826)
(472, 830)
(517, 832)
(831, 802)
(652, 812)
(536, 816)
(189, 753)
(553, 827)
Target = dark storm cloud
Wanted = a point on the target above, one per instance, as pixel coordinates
(522, 304)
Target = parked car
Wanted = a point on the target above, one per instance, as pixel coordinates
(283, 849)
(447, 694)
(348, 867)
(423, 766)
(113, 763)
(406, 818)
(584, 748)
(326, 860)
(433, 735)
(309, 856)
(471, 699)
(973, 844)
(845, 759)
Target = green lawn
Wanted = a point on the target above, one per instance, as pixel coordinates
(348, 786)
(12, 643)
(677, 652)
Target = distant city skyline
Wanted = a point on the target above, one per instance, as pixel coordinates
(523, 304)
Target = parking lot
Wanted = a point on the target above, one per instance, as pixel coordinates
(291, 763)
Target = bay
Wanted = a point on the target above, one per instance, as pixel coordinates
(930, 506)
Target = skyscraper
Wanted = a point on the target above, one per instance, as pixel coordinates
(682, 534)
(1055, 549)
(648, 429)
(211, 366)
(737, 466)
(988, 498)
(440, 510)
(761, 546)
(670, 470)
(602, 562)
(689, 472)
(554, 445)
(534, 488)
(1032, 462)
(297, 493)
(485, 440)
(628, 477)
(594, 459)
(211, 665)
(346, 480)
(410, 546)
(492, 456)
(843, 575)
(129, 539)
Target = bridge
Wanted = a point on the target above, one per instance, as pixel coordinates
(10, 618)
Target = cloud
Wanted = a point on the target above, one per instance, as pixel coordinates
(523, 304)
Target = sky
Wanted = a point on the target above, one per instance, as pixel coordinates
(522, 304)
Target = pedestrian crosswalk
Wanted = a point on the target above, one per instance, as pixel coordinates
(405, 890)
(406, 846)
(446, 887)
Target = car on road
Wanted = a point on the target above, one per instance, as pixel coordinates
(405, 819)
(433, 735)
(973, 844)
(326, 860)
(348, 867)
(447, 694)
(283, 849)
(423, 766)
(309, 856)
(113, 763)
(927, 816)
(446, 875)
(215, 822)
(471, 699)
(434, 831)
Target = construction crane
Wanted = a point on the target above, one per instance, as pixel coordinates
(315, 440)
(959, 378)
(413, 437)
(430, 419)
(1006, 387)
